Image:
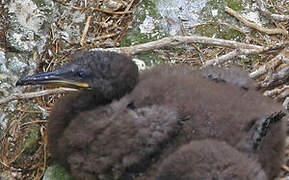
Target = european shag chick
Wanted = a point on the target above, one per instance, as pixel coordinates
(121, 126)
(209, 159)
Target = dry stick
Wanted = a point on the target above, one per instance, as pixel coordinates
(273, 62)
(129, 6)
(263, 69)
(239, 52)
(223, 58)
(281, 76)
(35, 94)
(285, 167)
(94, 8)
(253, 25)
(234, 27)
(276, 91)
(176, 40)
(268, 14)
(87, 24)
(284, 94)
(111, 12)
(285, 104)
(280, 17)
(105, 36)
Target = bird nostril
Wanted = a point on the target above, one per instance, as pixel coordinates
(82, 74)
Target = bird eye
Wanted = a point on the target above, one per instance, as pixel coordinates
(82, 74)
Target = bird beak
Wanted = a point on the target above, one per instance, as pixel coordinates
(54, 78)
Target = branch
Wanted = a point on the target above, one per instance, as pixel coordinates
(253, 25)
(275, 91)
(35, 94)
(239, 52)
(176, 40)
(264, 11)
(272, 64)
(222, 59)
(280, 17)
(94, 8)
(84, 33)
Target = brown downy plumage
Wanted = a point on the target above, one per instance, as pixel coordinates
(116, 128)
(209, 159)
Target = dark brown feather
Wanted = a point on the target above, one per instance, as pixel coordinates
(171, 107)
(210, 160)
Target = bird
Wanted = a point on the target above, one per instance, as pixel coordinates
(209, 159)
(123, 124)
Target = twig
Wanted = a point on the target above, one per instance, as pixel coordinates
(1, 162)
(94, 8)
(276, 78)
(284, 94)
(223, 58)
(129, 6)
(285, 167)
(234, 27)
(281, 57)
(176, 40)
(35, 94)
(32, 122)
(105, 36)
(275, 61)
(268, 14)
(111, 12)
(15, 158)
(275, 91)
(280, 17)
(285, 105)
(87, 24)
(253, 25)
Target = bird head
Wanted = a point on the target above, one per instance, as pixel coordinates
(108, 73)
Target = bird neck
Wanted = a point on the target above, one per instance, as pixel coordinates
(69, 107)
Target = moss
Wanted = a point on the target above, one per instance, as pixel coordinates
(135, 37)
(232, 34)
(206, 30)
(150, 6)
(36, 37)
(31, 142)
(55, 172)
(218, 31)
(145, 8)
(216, 4)
(235, 4)
(272, 10)
(38, 2)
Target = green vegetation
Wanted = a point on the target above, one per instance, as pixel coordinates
(56, 172)
(235, 4)
(31, 142)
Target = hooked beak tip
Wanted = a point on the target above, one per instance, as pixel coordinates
(20, 82)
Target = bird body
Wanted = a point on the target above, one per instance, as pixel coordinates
(130, 127)
(209, 159)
